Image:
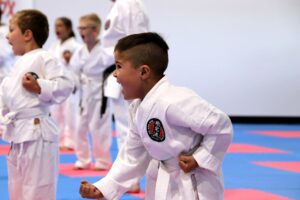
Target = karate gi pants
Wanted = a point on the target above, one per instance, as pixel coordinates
(101, 132)
(33, 170)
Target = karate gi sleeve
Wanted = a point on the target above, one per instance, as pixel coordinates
(205, 119)
(76, 65)
(133, 18)
(57, 84)
(3, 55)
(130, 164)
(3, 108)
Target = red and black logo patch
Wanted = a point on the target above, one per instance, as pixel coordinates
(156, 130)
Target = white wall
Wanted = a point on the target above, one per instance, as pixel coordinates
(242, 55)
(72, 9)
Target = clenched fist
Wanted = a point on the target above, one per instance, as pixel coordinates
(187, 163)
(29, 82)
(89, 191)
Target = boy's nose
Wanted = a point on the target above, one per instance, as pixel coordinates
(115, 73)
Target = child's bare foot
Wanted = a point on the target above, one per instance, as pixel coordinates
(81, 167)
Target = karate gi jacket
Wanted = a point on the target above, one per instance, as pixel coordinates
(168, 122)
(89, 66)
(58, 48)
(19, 107)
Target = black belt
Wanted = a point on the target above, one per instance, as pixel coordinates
(106, 73)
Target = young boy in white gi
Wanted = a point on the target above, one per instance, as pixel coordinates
(88, 62)
(35, 83)
(183, 136)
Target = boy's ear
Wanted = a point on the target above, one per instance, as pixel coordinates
(96, 31)
(145, 71)
(28, 35)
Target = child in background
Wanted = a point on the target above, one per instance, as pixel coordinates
(66, 114)
(124, 18)
(35, 83)
(6, 54)
(88, 62)
(185, 135)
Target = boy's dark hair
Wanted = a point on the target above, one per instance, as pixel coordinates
(68, 23)
(35, 21)
(145, 49)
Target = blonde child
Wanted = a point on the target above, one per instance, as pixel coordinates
(88, 62)
(183, 136)
(35, 83)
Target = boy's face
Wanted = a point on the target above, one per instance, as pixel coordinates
(16, 38)
(87, 32)
(128, 77)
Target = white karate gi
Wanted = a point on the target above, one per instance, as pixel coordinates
(91, 67)
(125, 17)
(169, 121)
(6, 54)
(66, 114)
(33, 158)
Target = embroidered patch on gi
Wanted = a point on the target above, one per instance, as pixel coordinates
(156, 130)
(107, 25)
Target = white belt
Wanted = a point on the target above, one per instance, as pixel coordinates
(28, 113)
(186, 181)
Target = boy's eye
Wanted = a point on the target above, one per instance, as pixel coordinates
(118, 66)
